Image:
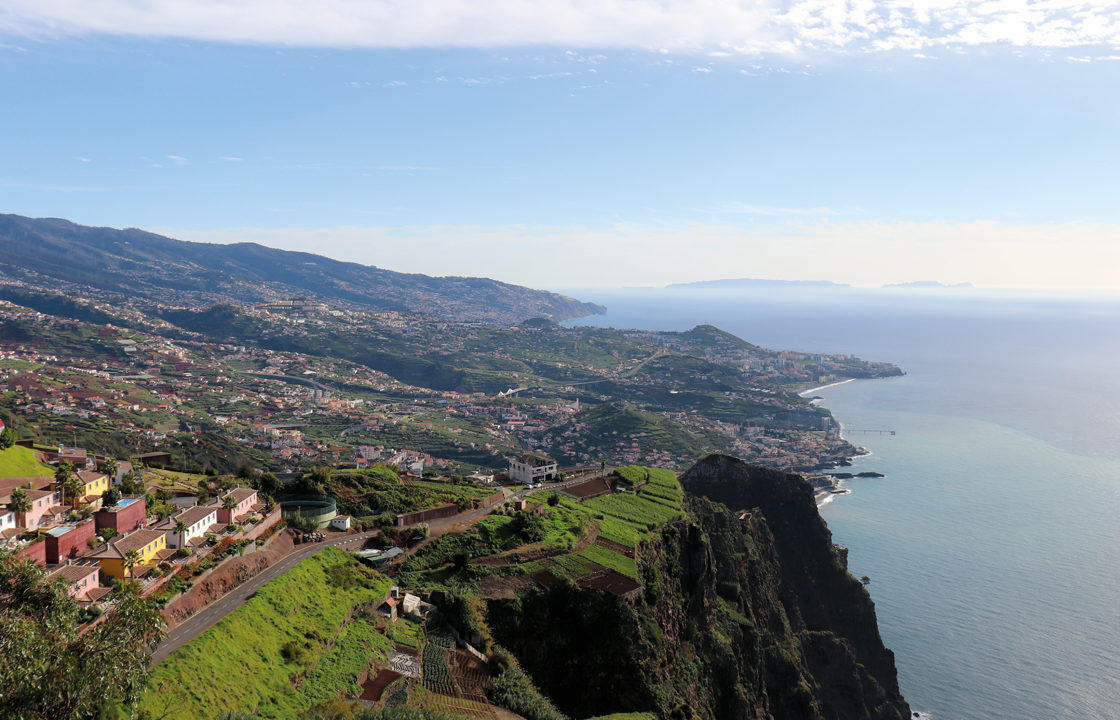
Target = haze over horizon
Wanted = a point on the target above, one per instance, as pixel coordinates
(581, 145)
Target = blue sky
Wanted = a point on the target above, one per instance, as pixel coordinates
(568, 143)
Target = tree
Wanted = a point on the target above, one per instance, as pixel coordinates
(106, 533)
(132, 484)
(20, 502)
(181, 530)
(528, 525)
(131, 559)
(229, 503)
(74, 486)
(62, 475)
(7, 438)
(266, 483)
(110, 497)
(315, 482)
(111, 468)
(48, 670)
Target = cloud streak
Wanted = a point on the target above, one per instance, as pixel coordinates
(716, 27)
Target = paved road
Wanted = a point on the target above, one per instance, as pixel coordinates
(204, 619)
(201, 621)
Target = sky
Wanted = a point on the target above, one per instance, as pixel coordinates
(579, 143)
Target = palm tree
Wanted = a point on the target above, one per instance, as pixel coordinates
(74, 486)
(131, 560)
(62, 474)
(111, 469)
(181, 528)
(229, 503)
(20, 502)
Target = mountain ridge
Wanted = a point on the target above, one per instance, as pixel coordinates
(140, 264)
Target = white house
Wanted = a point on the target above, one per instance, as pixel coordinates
(532, 468)
(198, 520)
(341, 522)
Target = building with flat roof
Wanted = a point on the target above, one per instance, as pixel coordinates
(532, 468)
(127, 515)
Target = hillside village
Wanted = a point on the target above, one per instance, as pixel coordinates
(149, 446)
(124, 391)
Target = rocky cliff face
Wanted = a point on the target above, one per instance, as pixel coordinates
(742, 615)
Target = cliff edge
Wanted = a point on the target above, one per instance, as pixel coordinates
(746, 610)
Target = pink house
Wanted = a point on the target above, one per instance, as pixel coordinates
(44, 504)
(244, 499)
(80, 579)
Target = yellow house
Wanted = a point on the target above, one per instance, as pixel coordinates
(148, 544)
(94, 485)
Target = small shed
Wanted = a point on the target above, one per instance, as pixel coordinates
(341, 522)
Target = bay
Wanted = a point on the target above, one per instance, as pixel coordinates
(992, 544)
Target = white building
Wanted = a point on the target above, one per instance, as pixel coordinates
(198, 520)
(532, 468)
(341, 522)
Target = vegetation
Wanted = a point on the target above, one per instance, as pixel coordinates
(19, 461)
(48, 671)
(287, 648)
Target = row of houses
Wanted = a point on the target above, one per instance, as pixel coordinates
(75, 553)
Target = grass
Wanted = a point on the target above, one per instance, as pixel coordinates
(18, 461)
(277, 654)
(405, 632)
(610, 559)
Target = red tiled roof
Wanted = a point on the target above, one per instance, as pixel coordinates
(133, 541)
(73, 573)
(95, 594)
(242, 494)
(192, 515)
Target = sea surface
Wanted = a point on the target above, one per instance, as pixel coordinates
(992, 545)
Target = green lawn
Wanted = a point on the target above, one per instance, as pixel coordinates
(19, 461)
(277, 654)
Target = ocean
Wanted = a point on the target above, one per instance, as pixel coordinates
(992, 543)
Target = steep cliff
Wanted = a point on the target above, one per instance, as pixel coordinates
(741, 615)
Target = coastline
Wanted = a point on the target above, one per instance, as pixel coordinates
(825, 485)
(803, 393)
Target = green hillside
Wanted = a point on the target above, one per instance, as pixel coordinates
(19, 461)
(291, 646)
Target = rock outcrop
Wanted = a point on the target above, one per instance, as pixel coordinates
(747, 611)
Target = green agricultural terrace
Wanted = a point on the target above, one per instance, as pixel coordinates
(303, 639)
(571, 538)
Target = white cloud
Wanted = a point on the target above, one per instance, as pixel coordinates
(784, 27)
(178, 160)
(395, 84)
(988, 253)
